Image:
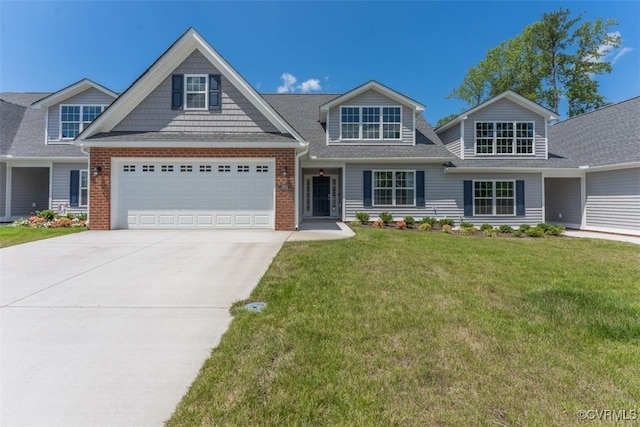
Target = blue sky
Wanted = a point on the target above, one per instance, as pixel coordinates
(419, 48)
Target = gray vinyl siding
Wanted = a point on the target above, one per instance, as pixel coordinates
(562, 201)
(375, 99)
(237, 113)
(3, 189)
(443, 195)
(90, 96)
(613, 199)
(505, 110)
(451, 139)
(61, 186)
(29, 186)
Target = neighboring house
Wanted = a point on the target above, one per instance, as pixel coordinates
(192, 144)
(40, 168)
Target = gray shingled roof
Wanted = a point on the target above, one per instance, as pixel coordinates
(607, 136)
(302, 111)
(192, 137)
(23, 128)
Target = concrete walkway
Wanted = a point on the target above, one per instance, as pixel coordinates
(321, 230)
(604, 236)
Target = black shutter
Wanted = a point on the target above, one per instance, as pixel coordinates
(420, 189)
(520, 197)
(214, 91)
(177, 95)
(366, 185)
(468, 198)
(74, 188)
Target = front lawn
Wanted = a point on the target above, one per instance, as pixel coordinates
(10, 236)
(415, 329)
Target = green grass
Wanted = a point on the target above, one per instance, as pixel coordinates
(414, 329)
(10, 236)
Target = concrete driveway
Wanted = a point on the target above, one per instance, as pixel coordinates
(110, 328)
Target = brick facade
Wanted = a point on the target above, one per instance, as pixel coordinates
(100, 188)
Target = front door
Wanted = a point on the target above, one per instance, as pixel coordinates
(321, 197)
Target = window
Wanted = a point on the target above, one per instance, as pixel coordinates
(494, 198)
(74, 118)
(504, 138)
(195, 94)
(83, 196)
(394, 188)
(370, 122)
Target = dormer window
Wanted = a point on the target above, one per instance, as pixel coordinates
(504, 138)
(74, 118)
(371, 123)
(195, 92)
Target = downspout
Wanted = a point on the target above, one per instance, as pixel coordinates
(86, 153)
(296, 195)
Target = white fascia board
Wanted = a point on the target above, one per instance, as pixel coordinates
(188, 144)
(69, 91)
(10, 158)
(629, 165)
(435, 160)
(570, 171)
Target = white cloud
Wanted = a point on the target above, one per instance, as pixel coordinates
(309, 85)
(289, 84)
(620, 54)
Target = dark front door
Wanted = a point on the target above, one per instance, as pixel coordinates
(321, 202)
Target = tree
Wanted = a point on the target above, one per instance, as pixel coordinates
(446, 119)
(553, 58)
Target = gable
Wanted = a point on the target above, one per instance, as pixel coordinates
(237, 114)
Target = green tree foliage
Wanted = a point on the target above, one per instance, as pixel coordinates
(554, 58)
(446, 119)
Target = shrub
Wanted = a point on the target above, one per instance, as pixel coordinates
(82, 216)
(401, 224)
(378, 223)
(447, 228)
(425, 226)
(428, 220)
(544, 226)
(409, 221)
(484, 227)
(490, 232)
(362, 217)
(355, 223)
(466, 231)
(447, 221)
(505, 229)
(47, 214)
(466, 224)
(518, 233)
(524, 227)
(555, 230)
(534, 232)
(71, 215)
(386, 217)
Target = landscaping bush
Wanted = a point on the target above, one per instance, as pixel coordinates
(524, 227)
(50, 219)
(428, 220)
(504, 228)
(447, 221)
(490, 232)
(47, 214)
(467, 231)
(518, 233)
(485, 227)
(534, 232)
(401, 224)
(409, 221)
(555, 230)
(544, 226)
(466, 224)
(447, 228)
(378, 223)
(386, 217)
(363, 217)
(356, 223)
(425, 226)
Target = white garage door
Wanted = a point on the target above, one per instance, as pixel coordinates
(175, 193)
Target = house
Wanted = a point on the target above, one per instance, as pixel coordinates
(192, 144)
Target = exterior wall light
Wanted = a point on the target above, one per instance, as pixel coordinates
(321, 172)
(97, 170)
(285, 171)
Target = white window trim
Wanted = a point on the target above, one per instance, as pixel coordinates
(495, 137)
(393, 188)
(81, 122)
(206, 92)
(84, 172)
(381, 123)
(493, 198)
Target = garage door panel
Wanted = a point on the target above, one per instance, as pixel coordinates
(200, 193)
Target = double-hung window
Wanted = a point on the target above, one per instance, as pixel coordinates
(83, 195)
(74, 118)
(394, 188)
(195, 93)
(370, 123)
(494, 198)
(504, 138)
